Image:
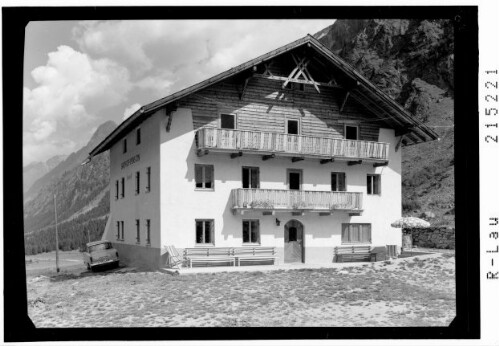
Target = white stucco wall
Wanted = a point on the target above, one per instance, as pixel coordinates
(142, 206)
(181, 204)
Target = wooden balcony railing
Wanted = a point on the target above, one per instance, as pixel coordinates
(272, 142)
(290, 200)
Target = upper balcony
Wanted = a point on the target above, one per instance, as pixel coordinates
(270, 201)
(272, 144)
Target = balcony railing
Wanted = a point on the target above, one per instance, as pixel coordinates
(289, 200)
(294, 145)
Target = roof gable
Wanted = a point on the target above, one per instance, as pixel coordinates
(335, 74)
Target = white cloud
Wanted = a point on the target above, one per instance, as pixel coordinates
(130, 110)
(34, 150)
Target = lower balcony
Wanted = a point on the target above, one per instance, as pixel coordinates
(298, 147)
(270, 201)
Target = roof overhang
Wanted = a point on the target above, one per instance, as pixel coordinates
(363, 91)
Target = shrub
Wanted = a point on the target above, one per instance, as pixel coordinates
(410, 205)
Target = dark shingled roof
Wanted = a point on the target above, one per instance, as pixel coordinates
(364, 89)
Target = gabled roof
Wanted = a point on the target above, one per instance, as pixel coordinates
(364, 90)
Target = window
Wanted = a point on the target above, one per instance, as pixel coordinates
(294, 179)
(227, 121)
(204, 176)
(117, 187)
(122, 230)
(122, 187)
(124, 146)
(118, 230)
(338, 181)
(148, 232)
(351, 132)
(374, 184)
(302, 87)
(293, 127)
(356, 233)
(137, 136)
(137, 227)
(204, 232)
(137, 183)
(251, 231)
(251, 178)
(148, 182)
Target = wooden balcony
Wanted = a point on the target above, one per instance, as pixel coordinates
(270, 201)
(271, 144)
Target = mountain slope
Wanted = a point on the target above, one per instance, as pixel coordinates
(36, 170)
(82, 197)
(412, 61)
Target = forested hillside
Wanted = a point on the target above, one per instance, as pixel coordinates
(82, 195)
(413, 62)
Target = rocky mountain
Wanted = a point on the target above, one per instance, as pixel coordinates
(413, 62)
(36, 170)
(82, 194)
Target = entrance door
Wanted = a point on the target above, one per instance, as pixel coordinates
(293, 242)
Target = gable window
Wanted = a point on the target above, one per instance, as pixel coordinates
(251, 231)
(251, 178)
(227, 121)
(338, 181)
(148, 232)
(137, 134)
(117, 187)
(137, 227)
(204, 176)
(351, 132)
(148, 180)
(374, 184)
(204, 232)
(122, 187)
(137, 183)
(293, 127)
(355, 233)
(124, 146)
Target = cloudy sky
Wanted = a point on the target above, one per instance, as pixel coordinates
(78, 75)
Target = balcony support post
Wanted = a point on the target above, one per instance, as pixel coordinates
(398, 143)
(352, 163)
(202, 152)
(296, 159)
(234, 155)
(325, 213)
(268, 212)
(326, 161)
(268, 157)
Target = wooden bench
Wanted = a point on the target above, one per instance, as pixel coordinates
(209, 255)
(257, 253)
(353, 253)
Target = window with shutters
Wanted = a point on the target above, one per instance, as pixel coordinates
(148, 232)
(204, 177)
(138, 138)
(251, 178)
(251, 232)
(118, 233)
(137, 183)
(338, 181)
(137, 228)
(204, 232)
(122, 187)
(117, 188)
(353, 233)
(148, 179)
(374, 184)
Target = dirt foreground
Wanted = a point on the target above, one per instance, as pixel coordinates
(405, 292)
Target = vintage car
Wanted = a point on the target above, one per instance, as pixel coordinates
(100, 253)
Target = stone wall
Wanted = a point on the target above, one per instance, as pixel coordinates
(433, 237)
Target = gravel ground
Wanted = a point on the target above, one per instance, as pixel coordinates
(410, 292)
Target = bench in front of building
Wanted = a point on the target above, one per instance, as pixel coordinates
(229, 255)
(353, 253)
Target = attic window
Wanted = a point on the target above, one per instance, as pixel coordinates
(293, 127)
(351, 132)
(227, 121)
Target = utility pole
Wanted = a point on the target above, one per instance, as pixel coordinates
(56, 237)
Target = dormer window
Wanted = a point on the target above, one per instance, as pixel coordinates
(227, 121)
(351, 132)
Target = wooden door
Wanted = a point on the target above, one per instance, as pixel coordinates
(293, 242)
